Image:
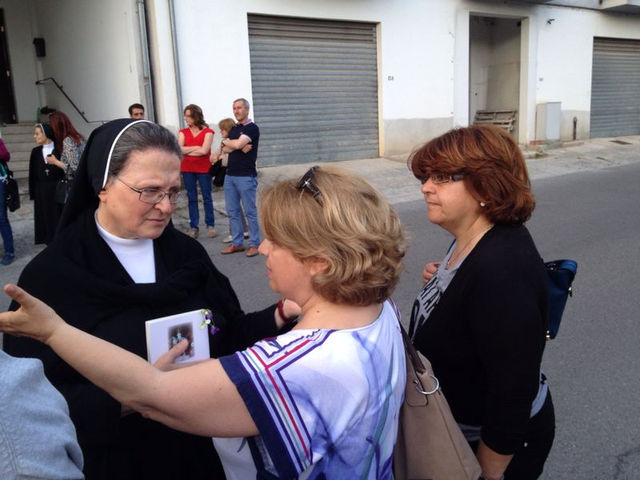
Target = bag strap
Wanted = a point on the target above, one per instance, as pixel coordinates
(412, 354)
(409, 349)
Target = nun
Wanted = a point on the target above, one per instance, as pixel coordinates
(43, 178)
(117, 261)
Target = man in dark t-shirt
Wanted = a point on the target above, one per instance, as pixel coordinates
(241, 181)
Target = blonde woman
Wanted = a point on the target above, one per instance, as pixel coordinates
(319, 401)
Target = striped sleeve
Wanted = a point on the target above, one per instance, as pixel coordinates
(265, 376)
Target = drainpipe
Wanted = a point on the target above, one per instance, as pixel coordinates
(146, 64)
(176, 62)
(575, 127)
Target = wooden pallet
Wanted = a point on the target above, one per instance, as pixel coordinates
(501, 118)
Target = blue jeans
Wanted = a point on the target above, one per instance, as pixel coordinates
(5, 226)
(236, 190)
(190, 183)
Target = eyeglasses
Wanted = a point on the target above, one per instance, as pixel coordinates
(153, 196)
(306, 183)
(440, 178)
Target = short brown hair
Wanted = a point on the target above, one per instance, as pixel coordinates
(353, 228)
(492, 164)
(226, 124)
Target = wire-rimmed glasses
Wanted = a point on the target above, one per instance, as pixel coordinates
(153, 196)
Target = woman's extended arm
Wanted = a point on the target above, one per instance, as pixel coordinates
(188, 399)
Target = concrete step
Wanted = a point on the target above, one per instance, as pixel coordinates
(19, 147)
(16, 128)
(18, 138)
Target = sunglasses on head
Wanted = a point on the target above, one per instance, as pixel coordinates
(306, 183)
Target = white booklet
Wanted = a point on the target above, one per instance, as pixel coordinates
(165, 332)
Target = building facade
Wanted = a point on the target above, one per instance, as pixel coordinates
(334, 79)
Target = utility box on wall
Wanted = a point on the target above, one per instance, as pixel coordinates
(548, 116)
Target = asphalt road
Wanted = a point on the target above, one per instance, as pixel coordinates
(590, 216)
(594, 362)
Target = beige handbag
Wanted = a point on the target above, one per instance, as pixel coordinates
(430, 444)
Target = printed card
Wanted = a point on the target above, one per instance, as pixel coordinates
(165, 332)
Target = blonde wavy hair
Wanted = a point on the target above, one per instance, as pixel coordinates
(350, 226)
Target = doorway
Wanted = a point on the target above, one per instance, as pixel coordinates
(494, 71)
(7, 102)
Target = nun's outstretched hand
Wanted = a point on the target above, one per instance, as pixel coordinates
(33, 319)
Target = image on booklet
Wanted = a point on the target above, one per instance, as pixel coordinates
(165, 332)
(179, 333)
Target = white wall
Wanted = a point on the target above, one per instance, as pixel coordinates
(20, 32)
(565, 56)
(504, 65)
(215, 63)
(92, 51)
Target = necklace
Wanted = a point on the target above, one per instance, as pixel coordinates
(456, 255)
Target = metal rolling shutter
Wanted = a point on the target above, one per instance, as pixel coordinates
(315, 89)
(615, 87)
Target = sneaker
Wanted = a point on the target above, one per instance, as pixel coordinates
(227, 239)
(232, 249)
(193, 233)
(252, 252)
(7, 259)
(211, 232)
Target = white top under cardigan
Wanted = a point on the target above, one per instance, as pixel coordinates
(135, 255)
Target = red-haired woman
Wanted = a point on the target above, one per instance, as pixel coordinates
(480, 316)
(195, 142)
(68, 141)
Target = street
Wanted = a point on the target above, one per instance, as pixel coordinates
(592, 366)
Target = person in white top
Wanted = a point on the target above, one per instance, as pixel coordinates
(320, 401)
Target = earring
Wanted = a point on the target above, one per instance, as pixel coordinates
(482, 204)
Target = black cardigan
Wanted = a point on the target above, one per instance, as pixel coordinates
(81, 278)
(486, 336)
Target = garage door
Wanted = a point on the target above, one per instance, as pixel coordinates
(615, 88)
(315, 89)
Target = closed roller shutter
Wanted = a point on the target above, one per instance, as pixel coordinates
(615, 87)
(315, 89)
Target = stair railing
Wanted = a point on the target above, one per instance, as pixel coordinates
(59, 87)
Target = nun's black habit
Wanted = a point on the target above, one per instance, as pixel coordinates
(81, 278)
(42, 189)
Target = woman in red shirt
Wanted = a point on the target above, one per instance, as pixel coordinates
(195, 142)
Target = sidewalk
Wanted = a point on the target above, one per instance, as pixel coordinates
(389, 174)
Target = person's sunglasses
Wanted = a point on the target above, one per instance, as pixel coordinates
(441, 178)
(306, 183)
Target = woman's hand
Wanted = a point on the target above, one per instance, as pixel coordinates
(33, 319)
(165, 361)
(493, 464)
(53, 160)
(291, 308)
(429, 271)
